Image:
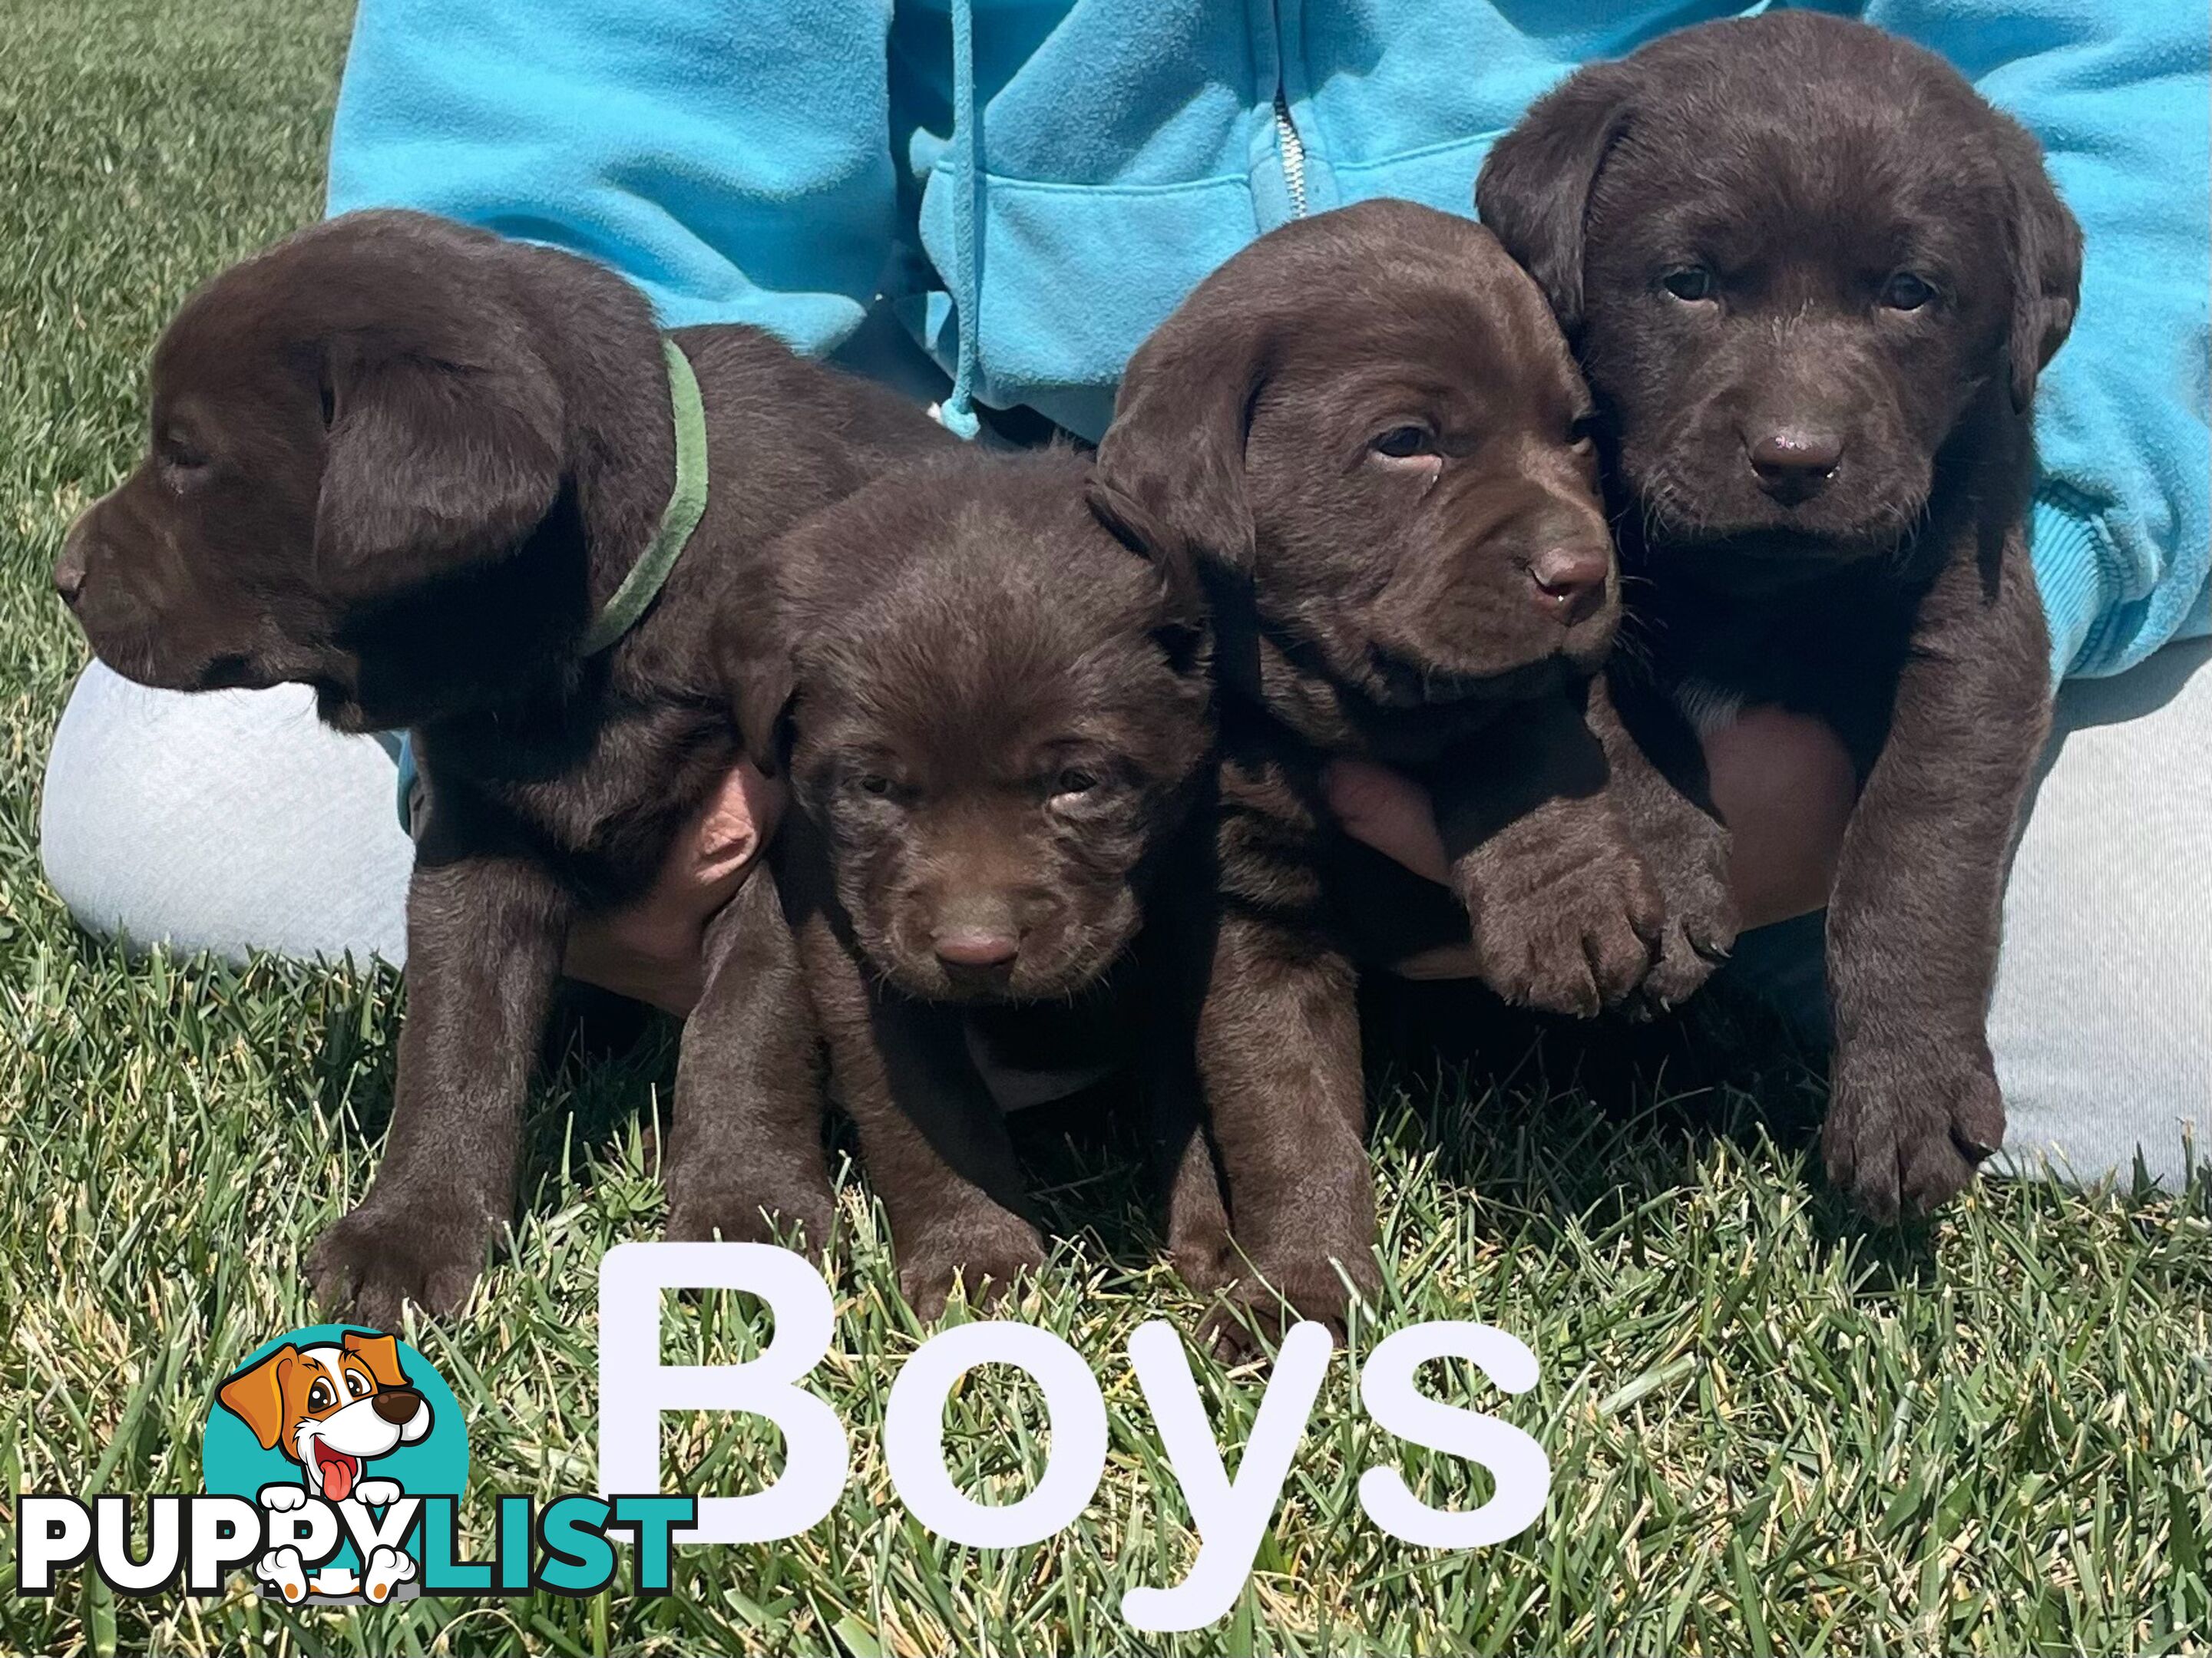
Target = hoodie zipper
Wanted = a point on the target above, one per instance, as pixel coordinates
(1293, 150)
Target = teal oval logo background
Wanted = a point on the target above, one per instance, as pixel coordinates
(232, 1462)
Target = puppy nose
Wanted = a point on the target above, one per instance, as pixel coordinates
(398, 1406)
(974, 947)
(1571, 580)
(1794, 462)
(69, 576)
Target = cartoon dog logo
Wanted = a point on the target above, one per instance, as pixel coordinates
(333, 1408)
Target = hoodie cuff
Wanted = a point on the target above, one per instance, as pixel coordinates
(2073, 560)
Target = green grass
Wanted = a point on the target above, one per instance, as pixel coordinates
(1768, 1428)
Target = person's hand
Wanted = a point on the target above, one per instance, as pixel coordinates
(650, 950)
(1785, 786)
(1782, 782)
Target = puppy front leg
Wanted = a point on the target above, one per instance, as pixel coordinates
(1278, 1055)
(1657, 777)
(1916, 913)
(1564, 915)
(1180, 1157)
(933, 1143)
(1160, 1000)
(483, 948)
(744, 1151)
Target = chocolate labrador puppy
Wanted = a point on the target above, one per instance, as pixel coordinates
(408, 464)
(1365, 439)
(994, 717)
(1811, 277)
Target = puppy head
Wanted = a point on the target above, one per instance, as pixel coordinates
(353, 443)
(330, 1407)
(1371, 418)
(1794, 252)
(996, 713)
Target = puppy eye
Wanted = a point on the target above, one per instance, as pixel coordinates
(181, 464)
(357, 1384)
(877, 784)
(319, 1397)
(1403, 442)
(1582, 436)
(1074, 780)
(1690, 284)
(1906, 292)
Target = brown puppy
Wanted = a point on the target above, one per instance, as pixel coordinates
(1364, 435)
(994, 719)
(406, 463)
(1813, 276)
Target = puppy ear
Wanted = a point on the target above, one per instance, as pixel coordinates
(764, 691)
(1535, 188)
(1168, 478)
(256, 1396)
(2046, 269)
(380, 1353)
(431, 466)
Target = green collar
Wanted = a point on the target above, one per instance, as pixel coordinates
(687, 504)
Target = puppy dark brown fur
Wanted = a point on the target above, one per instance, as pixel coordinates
(996, 719)
(1813, 276)
(405, 462)
(1363, 436)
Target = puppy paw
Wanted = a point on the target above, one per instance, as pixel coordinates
(377, 1493)
(1906, 1131)
(1700, 925)
(1199, 1246)
(284, 1573)
(388, 1567)
(983, 1254)
(282, 1499)
(1562, 935)
(1286, 1288)
(737, 1212)
(1205, 1261)
(381, 1256)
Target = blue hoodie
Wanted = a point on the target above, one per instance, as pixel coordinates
(1035, 183)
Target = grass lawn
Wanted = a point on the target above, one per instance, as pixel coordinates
(1768, 1428)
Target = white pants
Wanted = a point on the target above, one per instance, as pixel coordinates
(232, 821)
(2102, 1021)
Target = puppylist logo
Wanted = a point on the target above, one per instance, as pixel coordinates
(335, 1456)
(334, 1415)
(334, 1459)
